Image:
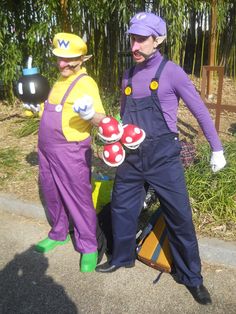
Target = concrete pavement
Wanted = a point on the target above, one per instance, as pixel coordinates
(51, 283)
(213, 251)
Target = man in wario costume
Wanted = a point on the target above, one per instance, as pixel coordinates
(151, 92)
(64, 150)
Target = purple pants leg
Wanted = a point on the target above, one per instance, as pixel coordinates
(57, 213)
(65, 180)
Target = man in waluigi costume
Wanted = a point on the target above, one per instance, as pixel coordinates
(151, 91)
(64, 148)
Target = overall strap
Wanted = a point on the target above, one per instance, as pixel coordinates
(154, 84)
(131, 71)
(71, 87)
(160, 68)
(128, 88)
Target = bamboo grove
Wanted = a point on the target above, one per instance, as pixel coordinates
(27, 28)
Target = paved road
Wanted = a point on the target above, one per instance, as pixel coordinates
(36, 283)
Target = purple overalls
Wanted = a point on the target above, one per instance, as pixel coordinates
(65, 173)
(156, 161)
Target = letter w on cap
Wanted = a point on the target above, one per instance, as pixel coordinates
(63, 44)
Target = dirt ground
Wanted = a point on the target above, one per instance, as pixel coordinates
(24, 181)
(227, 118)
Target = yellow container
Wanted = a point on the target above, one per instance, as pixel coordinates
(101, 195)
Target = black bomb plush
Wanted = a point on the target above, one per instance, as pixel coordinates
(32, 87)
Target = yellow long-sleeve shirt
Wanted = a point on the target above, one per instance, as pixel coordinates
(73, 127)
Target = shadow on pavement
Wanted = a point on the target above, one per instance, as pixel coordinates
(26, 288)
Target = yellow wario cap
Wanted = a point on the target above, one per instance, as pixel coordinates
(67, 45)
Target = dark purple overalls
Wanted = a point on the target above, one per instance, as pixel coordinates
(156, 161)
(65, 173)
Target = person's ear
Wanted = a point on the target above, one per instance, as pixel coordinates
(159, 40)
(87, 57)
(155, 45)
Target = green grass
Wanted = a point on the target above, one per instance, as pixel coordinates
(110, 103)
(213, 193)
(30, 125)
(9, 163)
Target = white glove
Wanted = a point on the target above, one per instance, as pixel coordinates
(33, 108)
(217, 161)
(84, 107)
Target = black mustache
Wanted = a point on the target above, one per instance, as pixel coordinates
(72, 66)
(143, 54)
(53, 64)
(146, 56)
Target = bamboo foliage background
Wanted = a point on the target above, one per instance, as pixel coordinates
(27, 28)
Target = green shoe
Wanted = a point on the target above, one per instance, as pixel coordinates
(49, 244)
(88, 262)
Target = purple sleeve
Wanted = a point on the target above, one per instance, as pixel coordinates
(185, 89)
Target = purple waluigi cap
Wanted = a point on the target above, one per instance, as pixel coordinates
(147, 24)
